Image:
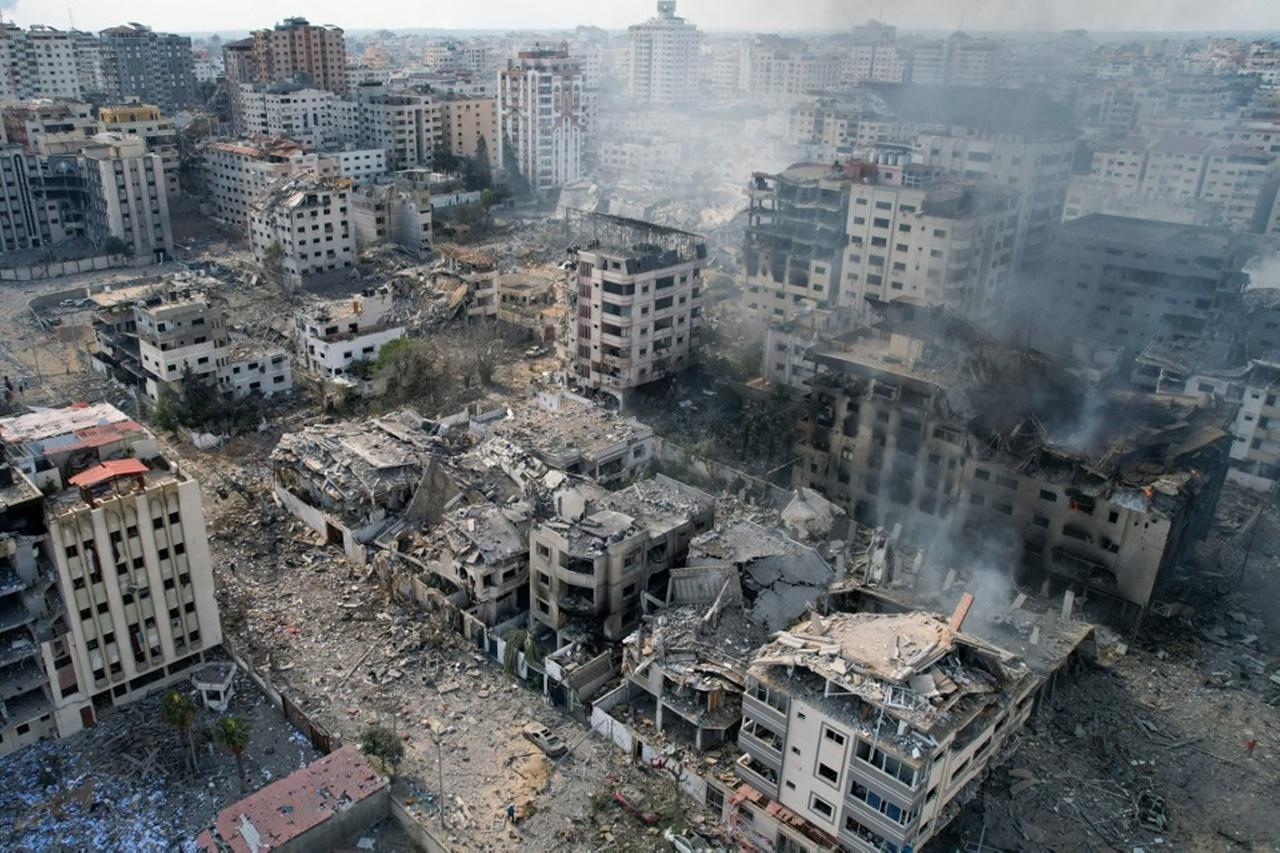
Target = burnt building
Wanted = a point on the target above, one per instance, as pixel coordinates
(922, 418)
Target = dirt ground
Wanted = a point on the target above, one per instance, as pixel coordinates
(335, 643)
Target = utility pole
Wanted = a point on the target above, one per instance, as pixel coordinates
(439, 767)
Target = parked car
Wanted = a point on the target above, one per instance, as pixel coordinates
(545, 739)
(636, 804)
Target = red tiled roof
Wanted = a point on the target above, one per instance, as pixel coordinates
(290, 806)
(109, 471)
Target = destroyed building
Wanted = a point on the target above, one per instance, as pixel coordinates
(638, 292)
(109, 587)
(923, 418)
(870, 730)
(826, 236)
(392, 210)
(155, 338)
(300, 229)
(690, 657)
(334, 335)
(348, 481)
(780, 578)
(593, 569)
(569, 433)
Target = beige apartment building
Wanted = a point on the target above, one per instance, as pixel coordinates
(469, 127)
(147, 123)
(118, 584)
(639, 299)
(300, 227)
(128, 198)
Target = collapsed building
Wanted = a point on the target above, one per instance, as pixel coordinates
(156, 338)
(595, 568)
(922, 419)
(106, 586)
(865, 731)
(569, 433)
(689, 658)
(349, 481)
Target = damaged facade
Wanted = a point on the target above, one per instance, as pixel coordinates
(157, 338)
(109, 588)
(638, 291)
(871, 729)
(592, 569)
(921, 418)
(336, 334)
(300, 229)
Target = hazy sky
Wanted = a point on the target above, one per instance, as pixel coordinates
(757, 15)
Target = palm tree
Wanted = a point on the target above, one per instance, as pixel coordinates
(179, 711)
(232, 733)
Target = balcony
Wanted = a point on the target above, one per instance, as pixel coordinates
(757, 775)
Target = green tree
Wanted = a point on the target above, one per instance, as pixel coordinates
(179, 711)
(167, 413)
(232, 734)
(384, 744)
(113, 245)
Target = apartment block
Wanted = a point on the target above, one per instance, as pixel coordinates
(177, 337)
(961, 60)
(235, 172)
(39, 62)
(1244, 183)
(338, 333)
(114, 568)
(780, 69)
(156, 68)
(795, 242)
(405, 123)
(127, 195)
(914, 235)
(393, 210)
(647, 156)
(41, 199)
(542, 118)
(663, 58)
(298, 111)
(146, 122)
(638, 298)
(295, 49)
(837, 728)
(922, 417)
(589, 572)
(469, 127)
(300, 229)
(32, 124)
(1129, 281)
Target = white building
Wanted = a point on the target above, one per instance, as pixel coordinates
(662, 58)
(255, 370)
(313, 116)
(127, 196)
(235, 172)
(358, 164)
(38, 63)
(120, 551)
(179, 338)
(145, 122)
(542, 118)
(300, 229)
(336, 334)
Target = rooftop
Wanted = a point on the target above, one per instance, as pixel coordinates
(913, 667)
(557, 428)
(287, 808)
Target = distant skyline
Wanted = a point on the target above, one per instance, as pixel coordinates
(713, 15)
